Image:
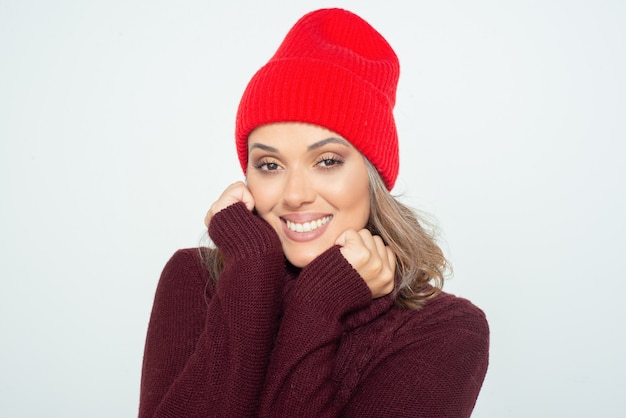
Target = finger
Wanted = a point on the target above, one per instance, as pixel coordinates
(353, 249)
(236, 192)
(366, 235)
(348, 238)
(380, 247)
(386, 269)
(374, 244)
(382, 253)
(373, 256)
(391, 256)
(369, 241)
(242, 193)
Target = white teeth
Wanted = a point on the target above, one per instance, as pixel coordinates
(308, 226)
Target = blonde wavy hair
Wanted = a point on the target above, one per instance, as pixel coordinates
(420, 263)
(421, 266)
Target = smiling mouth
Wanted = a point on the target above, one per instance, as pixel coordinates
(308, 226)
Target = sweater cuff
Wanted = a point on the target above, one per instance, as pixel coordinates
(331, 286)
(240, 233)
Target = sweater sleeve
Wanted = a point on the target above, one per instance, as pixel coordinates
(223, 373)
(300, 376)
(434, 367)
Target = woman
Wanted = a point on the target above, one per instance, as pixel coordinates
(322, 295)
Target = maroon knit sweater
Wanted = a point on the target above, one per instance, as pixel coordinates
(270, 342)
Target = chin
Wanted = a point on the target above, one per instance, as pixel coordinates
(301, 259)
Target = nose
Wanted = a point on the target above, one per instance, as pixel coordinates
(298, 189)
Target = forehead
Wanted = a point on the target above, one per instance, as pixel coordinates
(291, 132)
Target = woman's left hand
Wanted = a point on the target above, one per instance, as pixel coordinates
(371, 258)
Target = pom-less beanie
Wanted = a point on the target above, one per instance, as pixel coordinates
(334, 70)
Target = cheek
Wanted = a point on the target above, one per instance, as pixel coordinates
(361, 203)
(352, 194)
(361, 197)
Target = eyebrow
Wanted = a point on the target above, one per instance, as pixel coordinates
(263, 147)
(318, 144)
(331, 140)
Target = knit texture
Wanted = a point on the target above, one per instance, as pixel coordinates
(270, 341)
(333, 70)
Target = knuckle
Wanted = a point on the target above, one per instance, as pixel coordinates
(361, 258)
(377, 264)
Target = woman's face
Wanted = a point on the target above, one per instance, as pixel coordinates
(309, 184)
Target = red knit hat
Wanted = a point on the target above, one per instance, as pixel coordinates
(333, 70)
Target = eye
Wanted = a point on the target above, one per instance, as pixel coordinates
(267, 165)
(329, 161)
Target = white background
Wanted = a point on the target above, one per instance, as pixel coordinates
(116, 134)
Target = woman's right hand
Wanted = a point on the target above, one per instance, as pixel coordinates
(236, 192)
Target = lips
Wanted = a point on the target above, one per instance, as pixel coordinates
(305, 227)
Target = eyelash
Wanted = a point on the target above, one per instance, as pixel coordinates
(326, 159)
